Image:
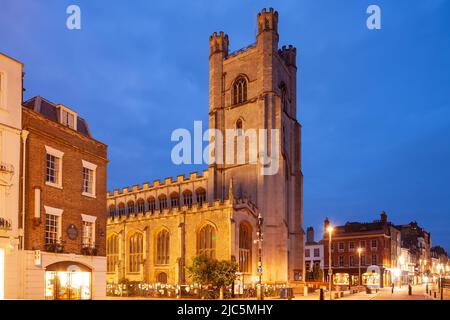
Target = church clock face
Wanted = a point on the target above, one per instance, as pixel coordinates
(72, 232)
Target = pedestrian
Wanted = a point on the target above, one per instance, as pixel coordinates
(392, 287)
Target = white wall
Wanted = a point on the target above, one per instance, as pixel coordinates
(10, 130)
(35, 275)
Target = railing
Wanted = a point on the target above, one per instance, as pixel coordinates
(5, 224)
(55, 247)
(88, 250)
(6, 167)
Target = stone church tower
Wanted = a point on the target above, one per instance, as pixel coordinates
(255, 88)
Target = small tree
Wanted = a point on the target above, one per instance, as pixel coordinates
(206, 271)
(201, 270)
(224, 273)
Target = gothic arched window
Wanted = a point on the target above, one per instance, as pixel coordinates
(121, 209)
(284, 97)
(201, 196)
(135, 252)
(174, 200)
(206, 241)
(112, 252)
(162, 202)
(187, 198)
(140, 206)
(112, 210)
(151, 204)
(240, 90)
(245, 248)
(239, 127)
(130, 208)
(162, 247)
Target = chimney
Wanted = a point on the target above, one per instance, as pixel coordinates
(383, 217)
(326, 223)
(310, 234)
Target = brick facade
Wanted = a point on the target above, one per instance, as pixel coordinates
(76, 147)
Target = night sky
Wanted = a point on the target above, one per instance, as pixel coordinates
(374, 104)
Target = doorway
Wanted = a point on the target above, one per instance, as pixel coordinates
(67, 281)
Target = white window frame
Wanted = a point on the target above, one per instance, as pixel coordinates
(90, 219)
(58, 213)
(63, 108)
(57, 154)
(90, 166)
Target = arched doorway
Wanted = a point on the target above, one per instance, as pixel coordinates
(162, 278)
(68, 280)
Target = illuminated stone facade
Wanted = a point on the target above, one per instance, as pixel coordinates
(252, 88)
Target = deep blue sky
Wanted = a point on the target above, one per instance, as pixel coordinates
(374, 105)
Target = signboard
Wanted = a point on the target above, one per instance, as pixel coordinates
(37, 258)
(259, 270)
(238, 287)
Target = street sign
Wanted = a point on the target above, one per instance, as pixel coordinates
(259, 270)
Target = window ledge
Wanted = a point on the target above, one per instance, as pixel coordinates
(54, 185)
(90, 195)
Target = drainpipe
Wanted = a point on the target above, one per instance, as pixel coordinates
(24, 136)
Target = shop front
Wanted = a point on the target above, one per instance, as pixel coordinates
(68, 280)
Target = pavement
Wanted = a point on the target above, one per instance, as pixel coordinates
(418, 293)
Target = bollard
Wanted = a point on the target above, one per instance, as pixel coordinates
(442, 293)
(426, 288)
(435, 295)
(321, 295)
(409, 290)
(305, 291)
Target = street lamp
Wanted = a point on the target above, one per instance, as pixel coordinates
(359, 267)
(330, 271)
(259, 240)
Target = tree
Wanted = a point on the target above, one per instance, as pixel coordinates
(206, 271)
(224, 273)
(201, 270)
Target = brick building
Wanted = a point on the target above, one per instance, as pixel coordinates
(156, 229)
(313, 257)
(65, 200)
(380, 249)
(418, 241)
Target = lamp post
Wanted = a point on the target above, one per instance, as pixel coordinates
(359, 267)
(259, 240)
(330, 271)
